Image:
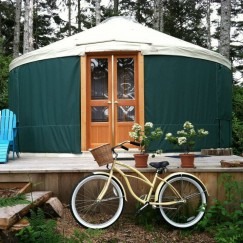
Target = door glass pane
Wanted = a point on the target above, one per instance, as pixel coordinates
(126, 113)
(125, 78)
(99, 114)
(99, 78)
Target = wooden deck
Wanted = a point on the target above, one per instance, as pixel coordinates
(59, 173)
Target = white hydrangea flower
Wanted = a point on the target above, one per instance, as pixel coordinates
(136, 127)
(133, 135)
(149, 124)
(182, 132)
(202, 132)
(192, 131)
(168, 135)
(188, 125)
(181, 140)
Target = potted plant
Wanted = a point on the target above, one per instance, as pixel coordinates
(144, 135)
(186, 139)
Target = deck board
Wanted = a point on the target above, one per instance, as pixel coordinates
(43, 163)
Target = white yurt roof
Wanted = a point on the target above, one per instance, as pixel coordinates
(120, 34)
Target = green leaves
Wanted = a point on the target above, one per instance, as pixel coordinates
(4, 63)
(187, 137)
(40, 230)
(225, 218)
(145, 135)
(12, 201)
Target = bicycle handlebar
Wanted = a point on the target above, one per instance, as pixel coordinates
(135, 143)
(124, 147)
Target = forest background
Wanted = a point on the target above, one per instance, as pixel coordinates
(26, 25)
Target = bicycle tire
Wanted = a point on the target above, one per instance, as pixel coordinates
(183, 215)
(90, 213)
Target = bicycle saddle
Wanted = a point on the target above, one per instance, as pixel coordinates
(159, 165)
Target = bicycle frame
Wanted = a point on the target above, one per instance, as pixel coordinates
(145, 180)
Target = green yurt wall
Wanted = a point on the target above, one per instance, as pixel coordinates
(179, 89)
(46, 98)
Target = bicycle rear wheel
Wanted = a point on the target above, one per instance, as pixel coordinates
(94, 214)
(188, 213)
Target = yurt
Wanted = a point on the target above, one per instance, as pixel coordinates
(89, 89)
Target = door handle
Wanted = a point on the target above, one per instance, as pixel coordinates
(109, 102)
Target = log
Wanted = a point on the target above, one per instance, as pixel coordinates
(54, 207)
(233, 163)
(10, 215)
(20, 224)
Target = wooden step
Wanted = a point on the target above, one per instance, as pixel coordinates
(10, 215)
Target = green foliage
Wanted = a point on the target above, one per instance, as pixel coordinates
(238, 101)
(84, 236)
(237, 135)
(40, 230)
(45, 230)
(225, 218)
(237, 121)
(4, 64)
(186, 138)
(148, 217)
(183, 19)
(7, 13)
(145, 135)
(11, 201)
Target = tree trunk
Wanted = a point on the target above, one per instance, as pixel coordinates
(26, 31)
(31, 12)
(28, 27)
(79, 16)
(224, 44)
(208, 19)
(69, 18)
(158, 20)
(116, 3)
(17, 29)
(97, 12)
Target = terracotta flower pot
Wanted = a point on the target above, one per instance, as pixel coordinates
(187, 160)
(141, 160)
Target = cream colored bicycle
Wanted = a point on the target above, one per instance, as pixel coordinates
(98, 200)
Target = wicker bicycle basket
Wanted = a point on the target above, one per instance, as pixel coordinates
(102, 154)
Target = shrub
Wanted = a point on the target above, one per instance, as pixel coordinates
(225, 218)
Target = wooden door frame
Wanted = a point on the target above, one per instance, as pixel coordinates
(83, 91)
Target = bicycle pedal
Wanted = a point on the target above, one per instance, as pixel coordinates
(141, 209)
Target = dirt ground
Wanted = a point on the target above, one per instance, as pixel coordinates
(128, 229)
(147, 227)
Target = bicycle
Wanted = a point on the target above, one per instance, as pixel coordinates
(97, 201)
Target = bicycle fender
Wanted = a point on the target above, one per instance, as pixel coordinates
(172, 175)
(115, 178)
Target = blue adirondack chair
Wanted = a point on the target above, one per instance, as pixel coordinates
(8, 132)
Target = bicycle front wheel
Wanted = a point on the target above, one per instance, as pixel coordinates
(92, 213)
(189, 212)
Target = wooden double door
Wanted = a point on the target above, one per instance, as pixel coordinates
(112, 98)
